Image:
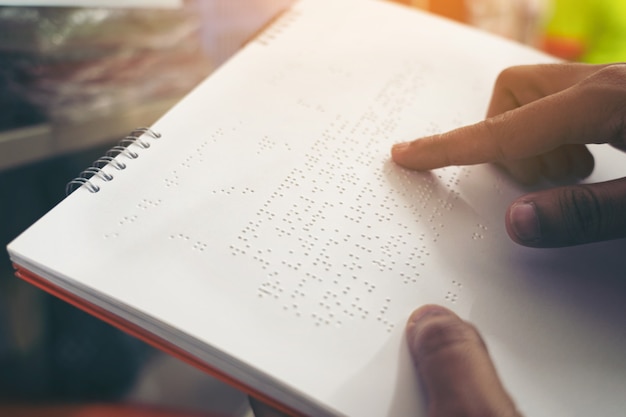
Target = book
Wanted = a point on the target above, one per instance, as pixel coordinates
(260, 231)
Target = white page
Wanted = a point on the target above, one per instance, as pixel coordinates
(95, 3)
(269, 223)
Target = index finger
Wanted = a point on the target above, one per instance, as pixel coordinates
(577, 115)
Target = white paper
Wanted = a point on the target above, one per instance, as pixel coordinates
(267, 233)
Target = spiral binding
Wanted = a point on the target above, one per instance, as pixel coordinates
(110, 158)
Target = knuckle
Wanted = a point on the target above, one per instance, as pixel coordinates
(607, 89)
(507, 81)
(510, 75)
(523, 83)
(583, 216)
(609, 75)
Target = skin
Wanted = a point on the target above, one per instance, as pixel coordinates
(539, 120)
(454, 367)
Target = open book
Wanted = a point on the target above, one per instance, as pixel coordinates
(264, 235)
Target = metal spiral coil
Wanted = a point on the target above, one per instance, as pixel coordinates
(110, 158)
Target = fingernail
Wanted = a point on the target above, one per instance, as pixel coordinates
(417, 321)
(524, 222)
(400, 147)
(425, 311)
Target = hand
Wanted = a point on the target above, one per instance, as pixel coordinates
(538, 122)
(454, 366)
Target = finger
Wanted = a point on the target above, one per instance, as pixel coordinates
(527, 131)
(526, 171)
(567, 163)
(555, 164)
(454, 366)
(581, 161)
(570, 215)
(519, 85)
(589, 112)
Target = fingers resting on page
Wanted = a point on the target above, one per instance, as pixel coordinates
(534, 110)
(539, 121)
(454, 368)
(538, 124)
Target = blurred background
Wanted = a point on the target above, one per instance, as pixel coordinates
(73, 81)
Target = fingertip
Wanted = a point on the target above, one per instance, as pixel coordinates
(400, 147)
(569, 215)
(522, 224)
(427, 310)
(454, 365)
(398, 150)
(421, 154)
(419, 318)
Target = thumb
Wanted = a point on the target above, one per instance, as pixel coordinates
(454, 366)
(570, 215)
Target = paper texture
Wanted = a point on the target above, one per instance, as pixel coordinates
(267, 232)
